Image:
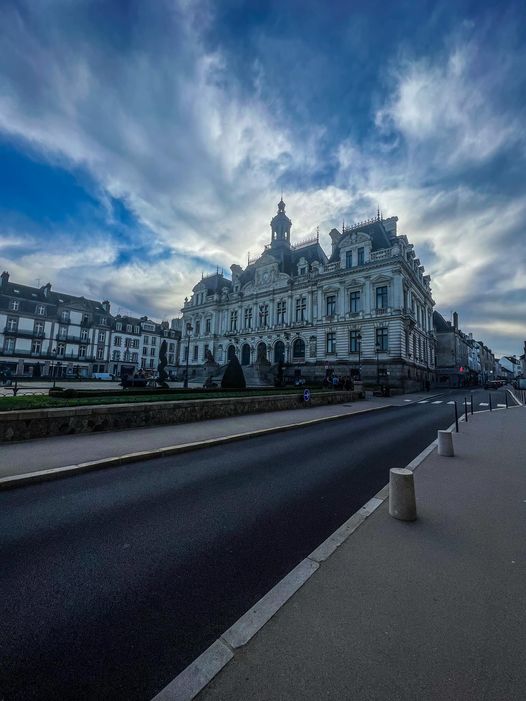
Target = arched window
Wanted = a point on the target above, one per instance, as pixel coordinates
(231, 352)
(298, 349)
(279, 352)
(245, 354)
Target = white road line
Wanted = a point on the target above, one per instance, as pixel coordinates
(408, 400)
(501, 405)
(451, 402)
(440, 402)
(425, 401)
(483, 404)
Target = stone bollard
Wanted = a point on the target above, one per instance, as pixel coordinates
(445, 444)
(402, 501)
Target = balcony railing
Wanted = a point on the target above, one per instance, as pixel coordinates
(380, 255)
(24, 333)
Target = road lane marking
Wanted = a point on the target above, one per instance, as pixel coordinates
(440, 402)
(424, 401)
(451, 402)
(483, 404)
(408, 400)
(501, 405)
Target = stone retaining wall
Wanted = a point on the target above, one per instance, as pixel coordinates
(40, 423)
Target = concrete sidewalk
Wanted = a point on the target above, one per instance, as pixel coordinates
(59, 451)
(434, 609)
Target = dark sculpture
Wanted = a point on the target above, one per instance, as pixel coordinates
(163, 375)
(233, 377)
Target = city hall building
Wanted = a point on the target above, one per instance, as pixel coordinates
(364, 310)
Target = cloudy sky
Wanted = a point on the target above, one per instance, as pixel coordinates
(143, 143)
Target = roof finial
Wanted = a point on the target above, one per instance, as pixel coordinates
(317, 234)
(378, 213)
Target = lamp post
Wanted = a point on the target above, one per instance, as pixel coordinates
(377, 348)
(53, 366)
(359, 340)
(189, 329)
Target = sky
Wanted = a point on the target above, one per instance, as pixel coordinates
(145, 143)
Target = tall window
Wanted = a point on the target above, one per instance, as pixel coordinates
(196, 352)
(248, 317)
(118, 326)
(331, 343)
(381, 297)
(301, 306)
(331, 305)
(61, 349)
(62, 331)
(208, 325)
(9, 345)
(65, 316)
(117, 341)
(354, 341)
(298, 348)
(12, 324)
(40, 310)
(83, 334)
(82, 351)
(154, 341)
(382, 339)
(152, 352)
(36, 347)
(233, 321)
(14, 305)
(116, 355)
(348, 259)
(38, 328)
(361, 256)
(102, 336)
(197, 328)
(354, 299)
(135, 357)
(281, 309)
(263, 315)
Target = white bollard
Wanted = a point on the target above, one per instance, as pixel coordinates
(402, 501)
(445, 444)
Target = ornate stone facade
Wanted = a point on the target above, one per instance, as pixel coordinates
(364, 310)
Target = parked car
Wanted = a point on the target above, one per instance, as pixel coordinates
(493, 384)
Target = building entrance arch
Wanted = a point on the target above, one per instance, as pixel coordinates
(245, 354)
(262, 352)
(279, 352)
(231, 352)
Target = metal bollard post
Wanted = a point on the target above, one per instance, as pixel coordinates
(445, 444)
(465, 409)
(456, 416)
(472, 403)
(506, 395)
(402, 500)
(489, 396)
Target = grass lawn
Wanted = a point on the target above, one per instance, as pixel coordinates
(45, 402)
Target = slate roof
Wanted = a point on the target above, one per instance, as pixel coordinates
(375, 229)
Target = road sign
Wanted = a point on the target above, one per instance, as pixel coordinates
(306, 395)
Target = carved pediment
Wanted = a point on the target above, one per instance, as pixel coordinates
(355, 237)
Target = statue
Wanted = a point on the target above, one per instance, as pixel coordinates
(209, 358)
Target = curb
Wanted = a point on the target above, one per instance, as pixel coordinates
(199, 673)
(57, 472)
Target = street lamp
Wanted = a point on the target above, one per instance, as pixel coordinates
(53, 366)
(189, 329)
(359, 340)
(377, 348)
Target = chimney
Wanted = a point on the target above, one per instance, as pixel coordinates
(5, 278)
(106, 306)
(455, 321)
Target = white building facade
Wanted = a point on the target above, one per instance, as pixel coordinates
(365, 310)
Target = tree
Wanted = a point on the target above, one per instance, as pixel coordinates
(163, 375)
(233, 377)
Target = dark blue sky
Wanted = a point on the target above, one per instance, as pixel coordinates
(142, 143)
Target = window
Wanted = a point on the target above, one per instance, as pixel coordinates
(331, 343)
(117, 341)
(303, 270)
(62, 331)
(208, 323)
(263, 315)
(196, 352)
(135, 343)
(331, 305)
(126, 356)
(146, 340)
(348, 259)
(152, 364)
(298, 349)
(248, 317)
(145, 351)
(136, 329)
(128, 328)
(281, 310)
(354, 299)
(38, 329)
(381, 297)
(40, 310)
(382, 339)
(14, 305)
(36, 347)
(301, 306)
(65, 317)
(152, 351)
(361, 256)
(143, 363)
(116, 355)
(233, 321)
(102, 336)
(128, 342)
(9, 345)
(148, 327)
(12, 324)
(154, 341)
(103, 321)
(185, 354)
(354, 341)
(118, 326)
(135, 357)
(83, 334)
(100, 354)
(171, 347)
(82, 351)
(61, 350)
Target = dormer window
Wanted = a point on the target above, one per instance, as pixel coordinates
(348, 259)
(118, 326)
(303, 270)
(361, 256)
(40, 310)
(14, 305)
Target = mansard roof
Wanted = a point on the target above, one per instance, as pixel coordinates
(375, 228)
(28, 296)
(212, 283)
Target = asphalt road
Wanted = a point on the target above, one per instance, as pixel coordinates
(113, 581)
